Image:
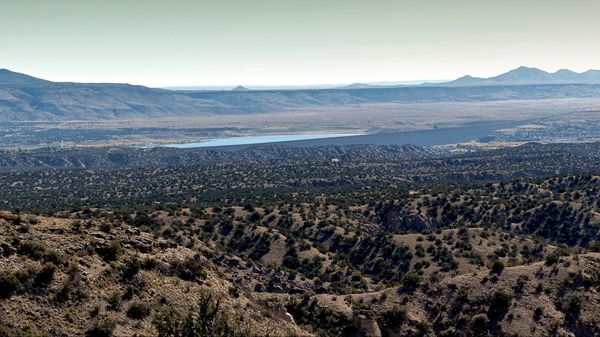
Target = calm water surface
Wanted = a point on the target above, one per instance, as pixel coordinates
(442, 136)
(247, 140)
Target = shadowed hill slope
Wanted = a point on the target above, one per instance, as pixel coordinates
(25, 98)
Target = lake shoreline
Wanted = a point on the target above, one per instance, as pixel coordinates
(429, 137)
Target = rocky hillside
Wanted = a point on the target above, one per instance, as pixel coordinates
(99, 273)
(99, 278)
(500, 260)
(398, 241)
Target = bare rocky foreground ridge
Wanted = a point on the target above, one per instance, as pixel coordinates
(77, 274)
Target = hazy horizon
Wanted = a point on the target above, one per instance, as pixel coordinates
(293, 43)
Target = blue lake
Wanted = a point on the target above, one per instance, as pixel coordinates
(249, 140)
(442, 136)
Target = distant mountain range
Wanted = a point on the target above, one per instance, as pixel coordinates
(26, 98)
(525, 75)
(518, 76)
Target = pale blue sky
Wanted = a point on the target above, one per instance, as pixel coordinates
(282, 42)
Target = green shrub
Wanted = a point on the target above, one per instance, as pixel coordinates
(138, 310)
(552, 259)
(411, 280)
(149, 264)
(189, 269)
(45, 275)
(254, 217)
(572, 307)
(9, 284)
(462, 295)
(101, 328)
(72, 288)
(34, 250)
(131, 268)
(19, 331)
(497, 267)
(114, 301)
(500, 302)
(396, 316)
(208, 320)
(423, 328)
(143, 220)
(54, 257)
(110, 252)
(324, 321)
(234, 291)
(479, 323)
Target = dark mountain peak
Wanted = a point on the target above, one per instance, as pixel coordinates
(240, 88)
(466, 80)
(565, 71)
(8, 77)
(591, 76)
(566, 74)
(526, 68)
(523, 74)
(591, 72)
(359, 86)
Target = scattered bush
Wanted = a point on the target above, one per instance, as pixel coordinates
(395, 317)
(144, 221)
(114, 302)
(208, 320)
(131, 268)
(411, 280)
(324, 321)
(9, 284)
(500, 302)
(462, 295)
(189, 269)
(479, 323)
(54, 257)
(423, 328)
(138, 310)
(72, 288)
(45, 275)
(110, 252)
(552, 259)
(149, 264)
(497, 267)
(572, 307)
(34, 250)
(234, 291)
(102, 328)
